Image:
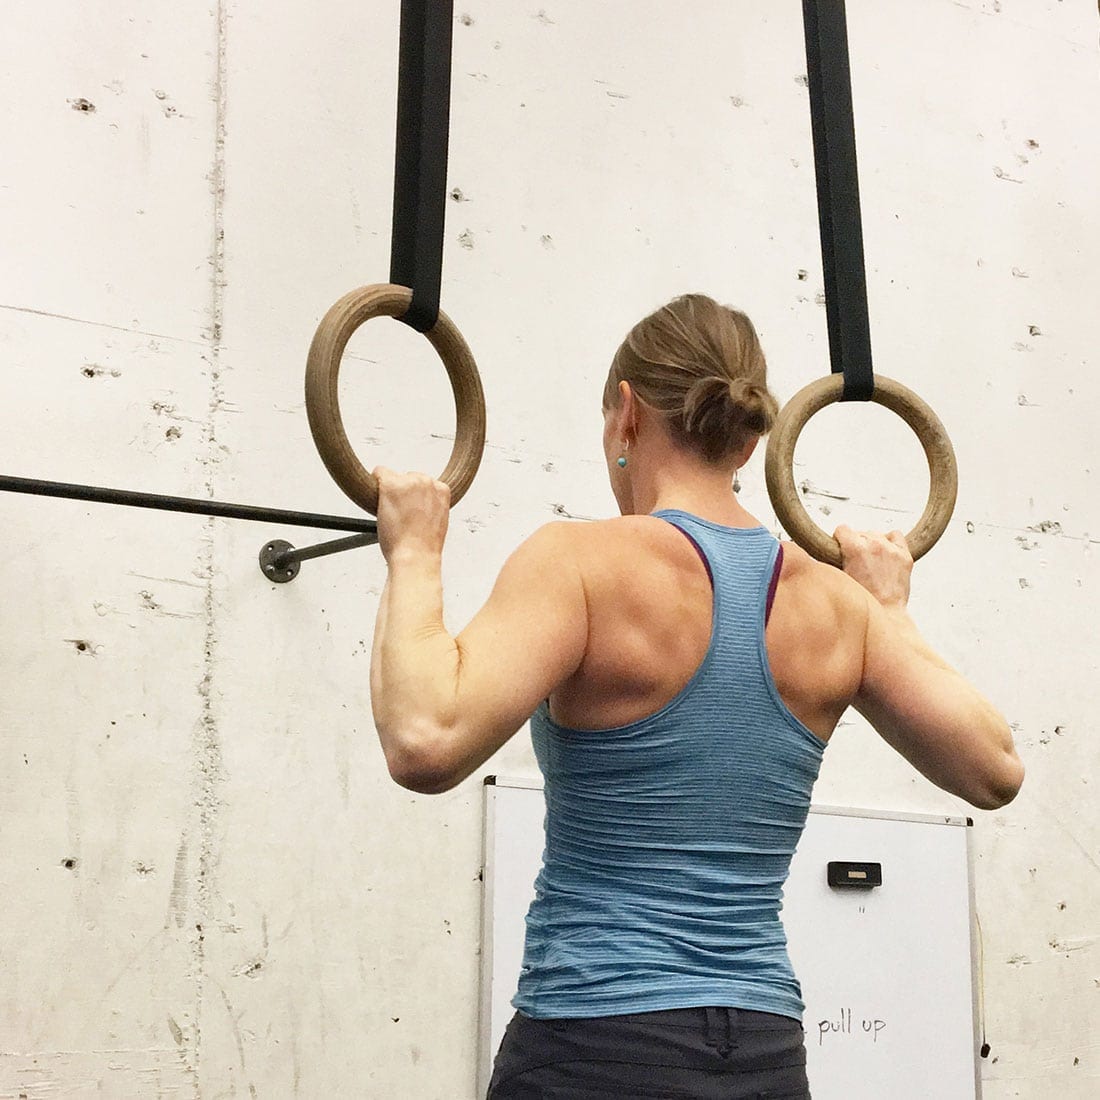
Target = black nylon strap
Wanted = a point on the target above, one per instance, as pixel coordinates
(830, 78)
(420, 172)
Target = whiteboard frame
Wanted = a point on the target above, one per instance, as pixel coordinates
(485, 998)
(977, 964)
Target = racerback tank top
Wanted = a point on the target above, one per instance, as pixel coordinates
(669, 840)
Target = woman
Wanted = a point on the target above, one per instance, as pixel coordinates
(684, 674)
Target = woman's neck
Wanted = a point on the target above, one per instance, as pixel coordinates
(721, 508)
(662, 475)
(707, 493)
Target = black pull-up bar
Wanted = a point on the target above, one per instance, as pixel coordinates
(280, 564)
(193, 505)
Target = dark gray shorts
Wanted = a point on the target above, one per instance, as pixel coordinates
(678, 1054)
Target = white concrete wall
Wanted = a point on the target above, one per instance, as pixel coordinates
(210, 886)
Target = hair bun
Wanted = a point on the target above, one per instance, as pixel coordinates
(728, 406)
(705, 398)
(756, 406)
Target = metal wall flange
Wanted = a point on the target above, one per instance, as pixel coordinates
(280, 561)
(273, 563)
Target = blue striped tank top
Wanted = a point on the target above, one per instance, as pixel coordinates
(668, 840)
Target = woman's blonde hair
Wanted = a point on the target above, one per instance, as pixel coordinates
(700, 366)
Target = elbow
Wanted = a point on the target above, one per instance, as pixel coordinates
(423, 780)
(422, 767)
(1002, 786)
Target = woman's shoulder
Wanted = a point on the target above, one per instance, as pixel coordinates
(828, 584)
(625, 545)
(619, 530)
(628, 535)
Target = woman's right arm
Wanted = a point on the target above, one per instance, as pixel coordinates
(916, 701)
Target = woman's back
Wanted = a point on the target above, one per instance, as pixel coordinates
(669, 838)
(650, 620)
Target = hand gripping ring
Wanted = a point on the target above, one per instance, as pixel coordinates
(323, 403)
(779, 464)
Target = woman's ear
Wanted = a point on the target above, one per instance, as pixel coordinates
(628, 412)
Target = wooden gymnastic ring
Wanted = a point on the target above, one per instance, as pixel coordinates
(779, 464)
(323, 402)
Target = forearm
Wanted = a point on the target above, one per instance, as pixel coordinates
(414, 664)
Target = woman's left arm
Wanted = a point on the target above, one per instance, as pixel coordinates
(444, 704)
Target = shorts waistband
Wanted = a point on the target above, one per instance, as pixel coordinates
(705, 1017)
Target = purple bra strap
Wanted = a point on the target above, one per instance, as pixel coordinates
(774, 584)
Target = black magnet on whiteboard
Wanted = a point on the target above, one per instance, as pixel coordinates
(863, 875)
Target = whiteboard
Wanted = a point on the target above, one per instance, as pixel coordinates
(887, 973)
